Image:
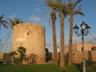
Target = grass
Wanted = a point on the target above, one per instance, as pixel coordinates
(71, 68)
(29, 68)
(44, 68)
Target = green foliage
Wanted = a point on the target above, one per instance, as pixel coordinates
(22, 52)
(48, 55)
(14, 21)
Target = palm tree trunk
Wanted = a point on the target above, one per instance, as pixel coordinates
(53, 17)
(62, 40)
(70, 38)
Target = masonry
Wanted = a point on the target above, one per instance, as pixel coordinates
(32, 37)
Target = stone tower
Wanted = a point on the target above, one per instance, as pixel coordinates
(32, 37)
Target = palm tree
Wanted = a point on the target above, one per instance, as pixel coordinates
(72, 10)
(22, 52)
(12, 54)
(62, 39)
(52, 5)
(61, 10)
(15, 21)
(3, 22)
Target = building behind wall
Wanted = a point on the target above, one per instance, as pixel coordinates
(32, 37)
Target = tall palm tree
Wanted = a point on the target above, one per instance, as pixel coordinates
(61, 10)
(52, 5)
(72, 10)
(62, 39)
(3, 22)
(60, 7)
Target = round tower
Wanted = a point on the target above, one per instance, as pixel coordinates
(32, 37)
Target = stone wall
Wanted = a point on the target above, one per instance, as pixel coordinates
(77, 52)
(1, 55)
(32, 37)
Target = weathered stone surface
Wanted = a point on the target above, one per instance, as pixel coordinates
(32, 37)
(77, 52)
(1, 55)
(93, 56)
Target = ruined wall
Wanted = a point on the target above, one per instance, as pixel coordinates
(93, 56)
(77, 52)
(32, 37)
(1, 56)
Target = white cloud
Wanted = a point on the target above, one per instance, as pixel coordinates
(36, 19)
(12, 16)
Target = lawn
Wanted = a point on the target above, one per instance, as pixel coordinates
(29, 68)
(44, 68)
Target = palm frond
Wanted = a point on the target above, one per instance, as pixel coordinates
(61, 7)
(3, 22)
(58, 5)
(15, 21)
(78, 12)
(51, 3)
(50, 21)
(4, 25)
(76, 3)
(1, 17)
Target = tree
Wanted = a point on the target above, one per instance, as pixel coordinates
(15, 21)
(22, 52)
(59, 6)
(48, 55)
(61, 10)
(72, 10)
(12, 54)
(3, 22)
(52, 5)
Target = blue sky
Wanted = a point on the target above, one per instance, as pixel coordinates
(36, 11)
